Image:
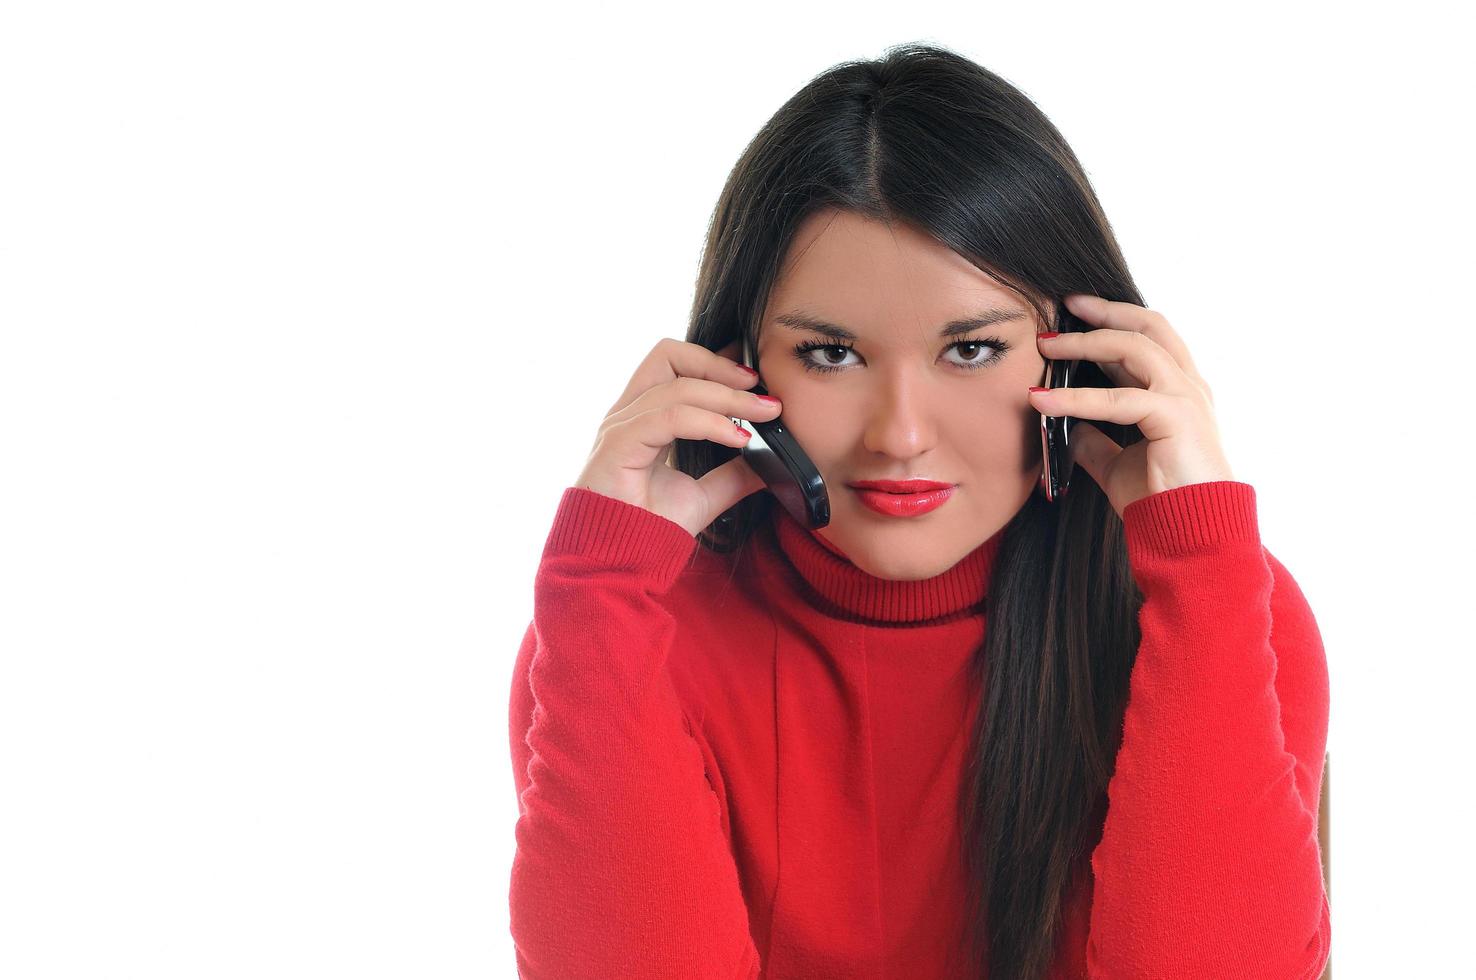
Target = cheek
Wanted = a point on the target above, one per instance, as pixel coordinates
(1003, 400)
(1000, 435)
(818, 415)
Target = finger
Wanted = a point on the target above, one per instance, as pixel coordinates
(670, 359)
(1093, 450)
(727, 484)
(1114, 315)
(1158, 414)
(711, 395)
(1149, 365)
(638, 441)
(1115, 373)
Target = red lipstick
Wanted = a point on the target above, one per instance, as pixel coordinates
(903, 498)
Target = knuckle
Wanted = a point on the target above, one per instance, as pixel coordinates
(1151, 345)
(689, 388)
(619, 413)
(604, 437)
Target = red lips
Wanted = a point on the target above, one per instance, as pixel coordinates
(916, 497)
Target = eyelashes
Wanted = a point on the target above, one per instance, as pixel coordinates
(802, 352)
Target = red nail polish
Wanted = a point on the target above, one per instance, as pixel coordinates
(1048, 334)
(1034, 388)
(750, 370)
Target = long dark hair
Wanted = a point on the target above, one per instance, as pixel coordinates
(925, 135)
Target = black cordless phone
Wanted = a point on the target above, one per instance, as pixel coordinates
(1055, 430)
(774, 455)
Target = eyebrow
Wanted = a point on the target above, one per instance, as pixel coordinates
(984, 318)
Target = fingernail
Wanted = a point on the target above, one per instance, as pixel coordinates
(1048, 334)
(1034, 388)
(769, 399)
(745, 367)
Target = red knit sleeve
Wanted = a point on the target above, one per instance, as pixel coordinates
(622, 867)
(1208, 864)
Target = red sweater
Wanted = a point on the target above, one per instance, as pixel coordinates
(749, 768)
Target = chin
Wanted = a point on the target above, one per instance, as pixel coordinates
(911, 573)
(902, 567)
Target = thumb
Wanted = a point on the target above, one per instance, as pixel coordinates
(1092, 450)
(727, 484)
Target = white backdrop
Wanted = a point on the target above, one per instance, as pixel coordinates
(311, 310)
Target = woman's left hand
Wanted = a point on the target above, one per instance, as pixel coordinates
(1160, 392)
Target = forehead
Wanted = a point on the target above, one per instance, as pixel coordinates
(864, 273)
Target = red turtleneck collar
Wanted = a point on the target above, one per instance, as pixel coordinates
(858, 593)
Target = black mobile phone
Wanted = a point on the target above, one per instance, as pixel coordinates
(1055, 430)
(774, 455)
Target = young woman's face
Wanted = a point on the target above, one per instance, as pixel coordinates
(903, 402)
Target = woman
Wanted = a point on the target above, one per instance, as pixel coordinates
(997, 736)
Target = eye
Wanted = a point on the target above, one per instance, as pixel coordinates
(971, 352)
(802, 351)
(975, 353)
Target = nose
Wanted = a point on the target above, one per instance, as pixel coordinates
(901, 421)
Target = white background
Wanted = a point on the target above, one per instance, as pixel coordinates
(311, 311)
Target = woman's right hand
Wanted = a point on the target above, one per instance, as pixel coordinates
(681, 390)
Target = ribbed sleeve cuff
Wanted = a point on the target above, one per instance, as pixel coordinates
(1181, 520)
(615, 534)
